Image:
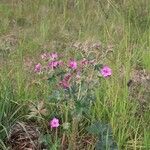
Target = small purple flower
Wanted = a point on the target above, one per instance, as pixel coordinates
(106, 71)
(54, 123)
(53, 64)
(72, 64)
(67, 77)
(38, 68)
(54, 56)
(64, 84)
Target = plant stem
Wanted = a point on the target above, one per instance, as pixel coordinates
(72, 144)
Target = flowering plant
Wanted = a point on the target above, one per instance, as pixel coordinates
(73, 81)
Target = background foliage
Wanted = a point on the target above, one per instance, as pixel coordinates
(122, 30)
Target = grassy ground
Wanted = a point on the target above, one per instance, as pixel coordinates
(28, 28)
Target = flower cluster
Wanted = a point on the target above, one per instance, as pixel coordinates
(72, 68)
(71, 75)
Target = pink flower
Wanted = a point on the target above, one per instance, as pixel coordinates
(38, 68)
(54, 56)
(72, 64)
(106, 71)
(53, 64)
(67, 77)
(65, 84)
(54, 123)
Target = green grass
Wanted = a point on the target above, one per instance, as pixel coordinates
(124, 24)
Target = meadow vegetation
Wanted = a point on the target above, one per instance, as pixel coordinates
(86, 110)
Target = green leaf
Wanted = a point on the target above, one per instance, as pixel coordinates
(105, 136)
(52, 78)
(98, 66)
(94, 128)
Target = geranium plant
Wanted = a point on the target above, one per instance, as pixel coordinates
(73, 81)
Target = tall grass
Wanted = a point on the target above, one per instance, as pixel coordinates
(123, 24)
